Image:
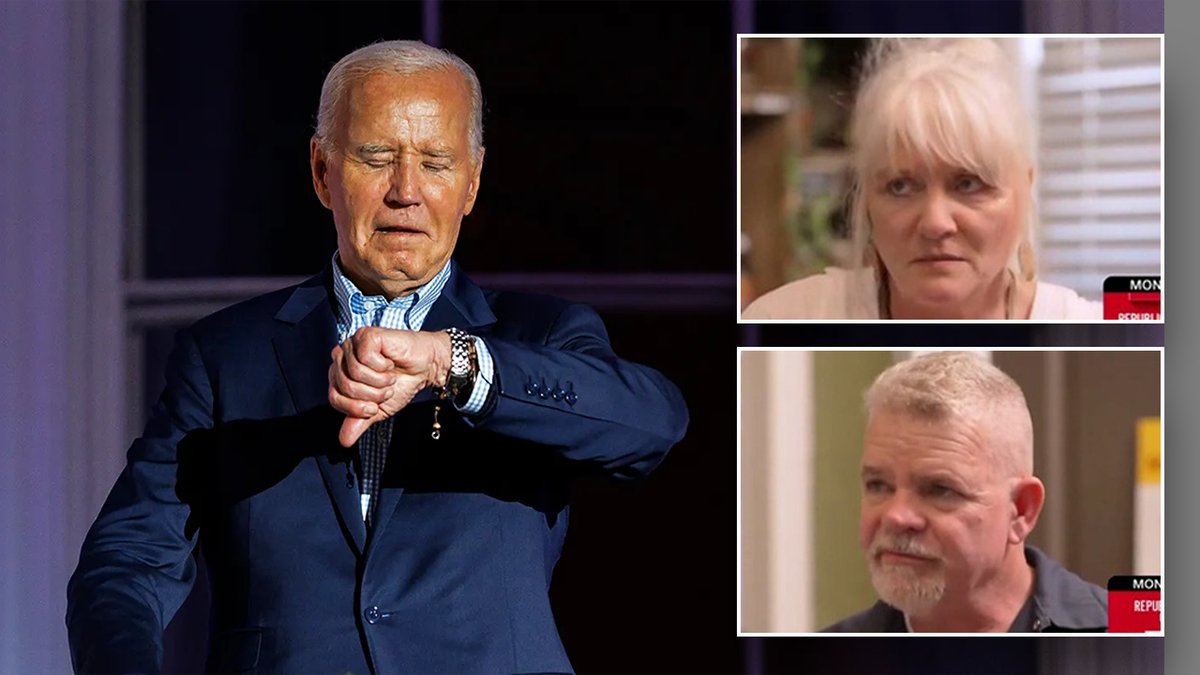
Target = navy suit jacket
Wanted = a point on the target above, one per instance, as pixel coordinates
(241, 457)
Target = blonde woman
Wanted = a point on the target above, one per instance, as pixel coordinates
(941, 208)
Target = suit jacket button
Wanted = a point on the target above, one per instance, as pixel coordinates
(557, 395)
(531, 389)
(372, 615)
(571, 397)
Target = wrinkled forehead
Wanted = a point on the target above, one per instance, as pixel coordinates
(905, 431)
(438, 99)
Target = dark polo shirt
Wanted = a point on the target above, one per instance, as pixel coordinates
(1060, 602)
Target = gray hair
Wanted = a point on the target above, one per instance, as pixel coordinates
(399, 57)
(946, 386)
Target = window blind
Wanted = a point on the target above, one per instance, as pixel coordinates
(1100, 160)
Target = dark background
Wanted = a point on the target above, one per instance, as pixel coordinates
(610, 140)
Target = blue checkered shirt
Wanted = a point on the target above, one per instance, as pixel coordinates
(355, 311)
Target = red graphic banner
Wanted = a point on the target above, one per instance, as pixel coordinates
(1133, 298)
(1134, 604)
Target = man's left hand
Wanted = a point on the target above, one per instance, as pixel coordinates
(377, 371)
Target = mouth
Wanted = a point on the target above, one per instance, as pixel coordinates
(934, 258)
(398, 228)
(898, 558)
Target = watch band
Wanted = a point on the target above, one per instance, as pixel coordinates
(464, 367)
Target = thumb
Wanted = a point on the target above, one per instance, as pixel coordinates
(352, 428)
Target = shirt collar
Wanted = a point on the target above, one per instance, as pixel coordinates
(1062, 599)
(352, 302)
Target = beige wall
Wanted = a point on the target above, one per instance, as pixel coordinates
(776, 486)
(841, 379)
(1110, 392)
(1095, 407)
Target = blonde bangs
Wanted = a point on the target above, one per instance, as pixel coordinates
(946, 120)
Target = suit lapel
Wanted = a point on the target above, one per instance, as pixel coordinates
(461, 305)
(306, 331)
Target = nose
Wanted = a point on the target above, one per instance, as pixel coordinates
(901, 514)
(937, 216)
(405, 189)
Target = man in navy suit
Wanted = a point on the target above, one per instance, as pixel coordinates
(374, 462)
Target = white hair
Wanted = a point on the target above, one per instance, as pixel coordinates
(398, 57)
(945, 386)
(954, 101)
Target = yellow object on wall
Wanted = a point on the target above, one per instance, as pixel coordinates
(1147, 498)
(1149, 451)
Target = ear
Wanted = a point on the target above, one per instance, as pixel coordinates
(473, 188)
(1028, 496)
(320, 172)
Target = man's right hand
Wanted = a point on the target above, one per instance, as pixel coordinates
(377, 371)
